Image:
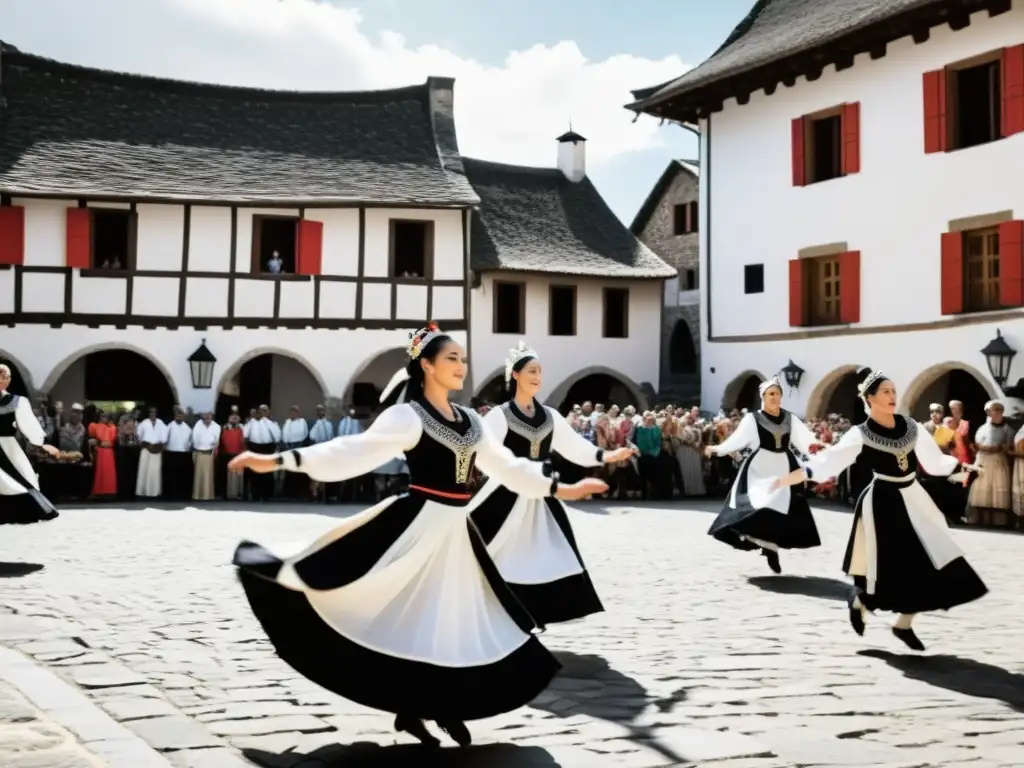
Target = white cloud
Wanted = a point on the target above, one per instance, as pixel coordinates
(509, 113)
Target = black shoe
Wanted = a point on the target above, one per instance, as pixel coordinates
(457, 730)
(773, 560)
(856, 615)
(417, 729)
(909, 639)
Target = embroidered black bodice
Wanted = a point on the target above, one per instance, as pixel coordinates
(889, 451)
(9, 415)
(444, 457)
(528, 436)
(773, 431)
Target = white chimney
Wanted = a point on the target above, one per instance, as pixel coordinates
(572, 156)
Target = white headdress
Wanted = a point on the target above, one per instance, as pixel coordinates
(514, 356)
(417, 341)
(864, 386)
(764, 386)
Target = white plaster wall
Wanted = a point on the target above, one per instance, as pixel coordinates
(893, 211)
(636, 358)
(161, 239)
(209, 241)
(45, 230)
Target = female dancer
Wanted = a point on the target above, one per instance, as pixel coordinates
(19, 487)
(530, 539)
(756, 516)
(400, 608)
(900, 553)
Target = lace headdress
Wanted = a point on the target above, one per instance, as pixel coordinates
(514, 356)
(417, 342)
(764, 386)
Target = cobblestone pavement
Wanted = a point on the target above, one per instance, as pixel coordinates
(703, 657)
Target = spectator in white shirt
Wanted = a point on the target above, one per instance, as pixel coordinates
(178, 459)
(321, 432)
(152, 436)
(205, 439)
(294, 434)
(262, 436)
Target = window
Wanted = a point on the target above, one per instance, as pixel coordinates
(509, 307)
(823, 290)
(974, 94)
(753, 278)
(412, 248)
(825, 134)
(616, 313)
(688, 280)
(684, 218)
(274, 240)
(562, 310)
(826, 145)
(981, 270)
(113, 239)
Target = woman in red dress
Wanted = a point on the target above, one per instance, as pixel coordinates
(103, 436)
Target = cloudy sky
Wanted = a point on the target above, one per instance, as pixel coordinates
(523, 69)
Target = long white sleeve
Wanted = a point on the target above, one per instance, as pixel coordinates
(800, 436)
(744, 437)
(496, 422)
(521, 476)
(932, 459)
(395, 431)
(27, 422)
(568, 444)
(831, 461)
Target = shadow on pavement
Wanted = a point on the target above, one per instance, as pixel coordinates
(17, 570)
(587, 685)
(971, 678)
(368, 755)
(809, 586)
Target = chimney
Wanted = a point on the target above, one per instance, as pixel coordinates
(572, 156)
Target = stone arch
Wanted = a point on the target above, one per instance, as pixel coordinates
(493, 387)
(61, 368)
(737, 391)
(947, 381)
(231, 383)
(825, 390)
(682, 352)
(371, 376)
(599, 379)
(21, 376)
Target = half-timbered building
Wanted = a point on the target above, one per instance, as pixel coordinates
(856, 207)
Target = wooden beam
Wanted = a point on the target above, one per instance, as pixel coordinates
(959, 21)
(998, 7)
(877, 51)
(921, 34)
(844, 60)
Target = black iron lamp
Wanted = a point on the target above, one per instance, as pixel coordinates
(201, 364)
(999, 356)
(792, 373)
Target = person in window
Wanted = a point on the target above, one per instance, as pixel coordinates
(900, 554)
(400, 608)
(756, 517)
(275, 264)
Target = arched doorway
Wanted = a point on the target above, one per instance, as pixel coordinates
(275, 379)
(949, 381)
(844, 399)
(364, 390)
(19, 385)
(114, 380)
(742, 391)
(492, 392)
(682, 353)
(600, 388)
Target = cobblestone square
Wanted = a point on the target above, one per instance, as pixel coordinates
(703, 656)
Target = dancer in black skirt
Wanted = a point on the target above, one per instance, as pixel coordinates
(20, 499)
(756, 515)
(400, 608)
(900, 553)
(530, 539)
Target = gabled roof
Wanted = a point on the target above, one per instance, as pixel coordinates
(776, 30)
(78, 132)
(536, 220)
(650, 204)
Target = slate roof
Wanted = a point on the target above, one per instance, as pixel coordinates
(79, 132)
(650, 205)
(536, 220)
(774, 30)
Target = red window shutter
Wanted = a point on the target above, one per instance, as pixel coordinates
(78, 252)
(797, 315)
(1011, 263)
(850, 156)
(1012, 80)
(12, 234)
(952, 273)
(310, 247)
(935, 139)
(799, 154)
(849, 287)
